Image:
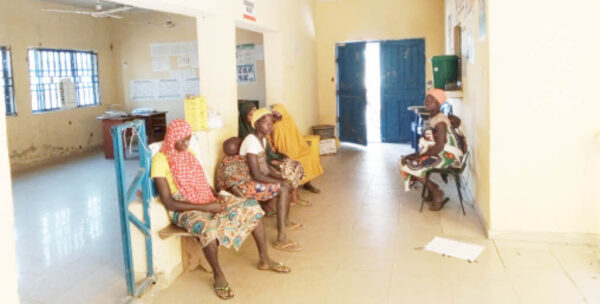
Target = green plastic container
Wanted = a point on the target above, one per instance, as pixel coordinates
(445, 70)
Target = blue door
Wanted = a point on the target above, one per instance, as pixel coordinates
(402, 85)
(351, 92)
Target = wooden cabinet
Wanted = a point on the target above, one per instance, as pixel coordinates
(156, 128)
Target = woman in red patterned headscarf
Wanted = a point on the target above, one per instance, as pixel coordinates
(216, 219)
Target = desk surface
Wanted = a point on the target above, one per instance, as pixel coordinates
(128, 117)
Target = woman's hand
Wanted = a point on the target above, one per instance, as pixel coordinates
(213, 207)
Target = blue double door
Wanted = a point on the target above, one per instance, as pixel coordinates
(402, 76)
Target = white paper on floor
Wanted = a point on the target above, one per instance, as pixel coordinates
(460, 250)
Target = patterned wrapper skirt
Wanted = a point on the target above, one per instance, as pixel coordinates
(424, 164)
(230, 227)
(258, 191)
(293, 171)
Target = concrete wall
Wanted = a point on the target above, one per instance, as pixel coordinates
(132, 37)
(545, 152)
(473, 108)
(35, 138)
(359, 20)
(252, 91)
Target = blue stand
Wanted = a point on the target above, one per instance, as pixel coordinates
(127, 195)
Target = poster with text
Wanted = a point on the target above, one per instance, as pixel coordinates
(482, 20)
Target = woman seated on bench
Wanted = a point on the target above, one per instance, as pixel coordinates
(194, 205)
(253, 149)
(443, 154)
(286, 138)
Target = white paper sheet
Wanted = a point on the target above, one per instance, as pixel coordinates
(161, 64)
(182, 74)
(142, 90)
(190, 86)
(459, 250)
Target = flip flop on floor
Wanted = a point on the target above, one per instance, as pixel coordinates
(279, 267)
(435, 208)
(301, 202)
(290, 246)
(224, 292)
(293, 226)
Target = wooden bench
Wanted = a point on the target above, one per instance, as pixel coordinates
(192, 255)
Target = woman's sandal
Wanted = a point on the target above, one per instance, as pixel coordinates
(224, 292)
(295, 226)
(279, 267)
(311, 188)
(301, 202)
(435, 206)
(290, 246)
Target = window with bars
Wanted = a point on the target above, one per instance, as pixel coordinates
(7, 91)
(48, 67)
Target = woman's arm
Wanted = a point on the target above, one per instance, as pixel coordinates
(174, 205)
(255, 172)
(440, 140)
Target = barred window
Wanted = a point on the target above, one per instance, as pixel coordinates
(7, 91)
(48, 67)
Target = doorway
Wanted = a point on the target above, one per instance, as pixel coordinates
(250, 67)
(377, 82)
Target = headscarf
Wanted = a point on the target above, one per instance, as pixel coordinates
(286, 135)
(438, 94)
(244, 128)
(258, 114)
(185, 167)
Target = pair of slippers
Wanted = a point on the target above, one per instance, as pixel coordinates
(226, 293)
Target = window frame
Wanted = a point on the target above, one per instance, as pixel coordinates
(68, 69)
(8, 81)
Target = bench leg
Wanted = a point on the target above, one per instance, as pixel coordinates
(192, 255)
(424, 192)
(458, 187)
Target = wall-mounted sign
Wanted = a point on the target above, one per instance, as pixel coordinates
(249, 7)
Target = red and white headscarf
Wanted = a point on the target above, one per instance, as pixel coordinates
(185, 167)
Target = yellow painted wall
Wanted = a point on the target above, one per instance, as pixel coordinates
(473, 109)
(358, 20)
(132, 37)
(34, 138)
(290, 58)
(544, 159)
(256, 90)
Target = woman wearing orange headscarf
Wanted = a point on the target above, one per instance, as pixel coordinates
(445, 153)
(287, 139)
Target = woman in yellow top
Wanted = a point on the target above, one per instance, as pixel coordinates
(215, 219)
(287, 139)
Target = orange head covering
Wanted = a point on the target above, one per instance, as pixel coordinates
(438, 94)
(185, 167)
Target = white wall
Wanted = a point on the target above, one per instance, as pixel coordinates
(544, 158)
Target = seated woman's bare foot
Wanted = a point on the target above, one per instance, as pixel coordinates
(268, 264)
(310, 187)
(222, 288)
(438, 200)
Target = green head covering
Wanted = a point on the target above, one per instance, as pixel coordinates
(244, 128)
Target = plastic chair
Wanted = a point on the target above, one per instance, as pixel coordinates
(444, 172)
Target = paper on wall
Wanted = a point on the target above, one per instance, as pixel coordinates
(142, 90)
(182, 74)
(163, 89)
(161, 64)
(459, 250)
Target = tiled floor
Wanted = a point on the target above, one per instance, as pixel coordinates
(361, 240)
